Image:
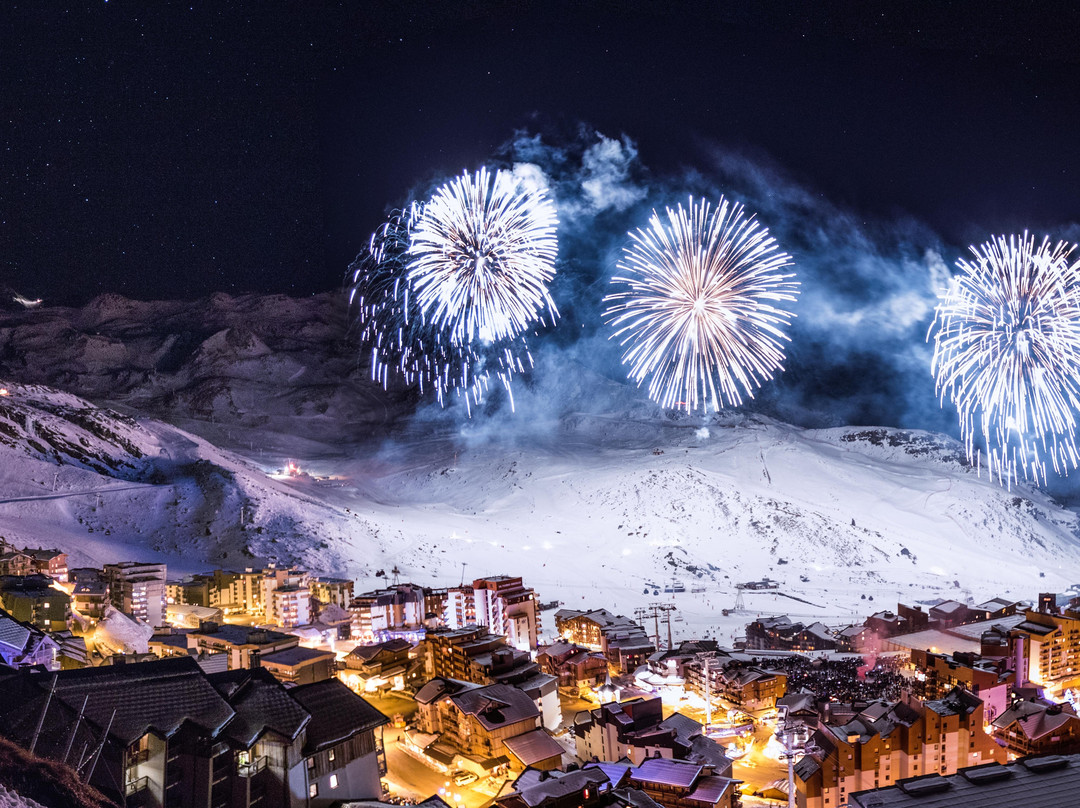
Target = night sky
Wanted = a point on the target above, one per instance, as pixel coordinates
(175, 150)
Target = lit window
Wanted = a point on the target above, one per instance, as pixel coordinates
(313, 790)
(331, 753)
(333, 781)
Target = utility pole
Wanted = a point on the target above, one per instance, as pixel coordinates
(708, 696)
(796, 744)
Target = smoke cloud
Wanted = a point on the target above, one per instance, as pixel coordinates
(858, 353)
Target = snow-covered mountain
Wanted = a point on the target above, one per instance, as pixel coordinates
(106, 487)
(608, 505)
(244, 370)
(610, 514)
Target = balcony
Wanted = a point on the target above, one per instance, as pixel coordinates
(135, 786)
(250, 768)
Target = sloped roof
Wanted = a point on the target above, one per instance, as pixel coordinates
(496, 705)
(710, 790)
(666, 771)
(336, 713)
(13, 633)
(368, 652)
(956, 702)
(440, 686)
(159, 696)
(1034, 718)
(616, 772)
(261, 703)
(297, 655)
(1049, 782)
(685, 727)
(533, 747)
(994, 604)
(535, 788)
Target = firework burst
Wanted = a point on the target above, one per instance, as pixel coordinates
(483, 254)
(700, 310)
(402, 343)
(1007, 354)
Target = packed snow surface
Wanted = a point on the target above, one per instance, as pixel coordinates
(616, 510)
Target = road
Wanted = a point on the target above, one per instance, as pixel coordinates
(408, 777)
(66, 494)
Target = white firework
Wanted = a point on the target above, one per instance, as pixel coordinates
(701, 312)
(1007, 355)
(402, 344)
(483, 254)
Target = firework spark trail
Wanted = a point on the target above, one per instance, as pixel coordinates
(1007, 355)
(404, 343)
(483, 254)
(701, 306)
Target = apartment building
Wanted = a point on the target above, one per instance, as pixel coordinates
(620, 639)
(1037, 727)
(396, 608)
(33, 599)
(502, 604)
(327, 590)
(870, 745)
(167, 734)
(289, 606)
(476, 720)
(138, 589)
(1045, 647)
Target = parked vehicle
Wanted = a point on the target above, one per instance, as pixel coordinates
(463, 778)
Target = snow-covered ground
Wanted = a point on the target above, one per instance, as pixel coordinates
(10, 799)
(602, 510)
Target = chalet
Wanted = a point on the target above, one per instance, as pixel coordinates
(477, 720)
(994, 608)
(1037, 727)
(23, 645)
(950, 613)
(16, 562)
(636, 730)
(682, 784)
(590, 787)
(779, 633)
(386, 665)
(343, 758)
(574, 666)
(49, 562)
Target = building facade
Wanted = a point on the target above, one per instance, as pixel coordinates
(138, 589)
(883, 742)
